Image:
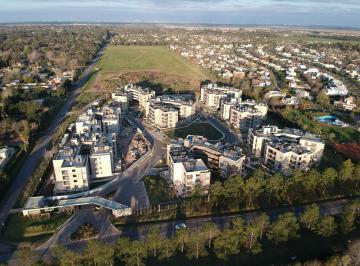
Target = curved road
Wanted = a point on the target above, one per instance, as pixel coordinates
(10, 198)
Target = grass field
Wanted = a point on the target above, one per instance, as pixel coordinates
(150, 58)
(202, 129)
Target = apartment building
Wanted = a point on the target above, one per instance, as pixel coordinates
(139, 94)
(246, 115)
(162, 115)
(212, 94)
(186, 107)
(285, 149)
(122, 99)
(185, 172)
(227, 159)
(71, 171)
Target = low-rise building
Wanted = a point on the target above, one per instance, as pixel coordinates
(5, 155)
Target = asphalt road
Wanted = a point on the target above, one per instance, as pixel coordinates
(168, 228)
(10, 198)
(230, 136)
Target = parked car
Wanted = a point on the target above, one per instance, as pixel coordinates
(179, 226)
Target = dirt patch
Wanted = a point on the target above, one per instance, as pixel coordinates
(108, 81)
(351, 150)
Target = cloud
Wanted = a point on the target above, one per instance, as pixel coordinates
(323, 12)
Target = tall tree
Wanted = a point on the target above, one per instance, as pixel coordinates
(263, 223)
(153, 241)
(348, 217)
(210, 231)
(326, 226)
(132, 253)
(66, 257)
(168, 249)
(284, 228)
(181, 237)
(196, 244)
(326, 181)
(310, 217)
(98, 254)
(226, 244)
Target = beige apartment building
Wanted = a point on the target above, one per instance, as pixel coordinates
(212, 94)
(163, 115)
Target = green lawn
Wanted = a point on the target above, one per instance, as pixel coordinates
(138, 58)
(202, 129)
(19, 229)
(157, 189)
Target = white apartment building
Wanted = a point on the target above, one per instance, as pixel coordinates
(212, 94)
(101, 161)
(249, 114)
(122, 99)
(186, 107)
(187, 173)
(163, 115)
(139, 94)
(71, 171)
(285, 149)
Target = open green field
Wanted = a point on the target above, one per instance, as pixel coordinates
(149, 58)
(202, 129)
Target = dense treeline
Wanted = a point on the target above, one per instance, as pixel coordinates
(63, 47)
(241, 236)
(260, 190)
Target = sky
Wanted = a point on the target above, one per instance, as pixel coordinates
(343, 13)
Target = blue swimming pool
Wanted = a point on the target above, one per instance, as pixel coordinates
(330, 120)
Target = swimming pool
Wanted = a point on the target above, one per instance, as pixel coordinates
(330, 120)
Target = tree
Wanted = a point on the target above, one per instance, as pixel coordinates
(346, 171)
(98, 254)
(348, 217)
(167, 250)
(310, 217)
(210, 231)
(196, 244)
(356, 175)
(132, 253)
(66, 257)
(275, 188)
(253, 188)
(326, 181)
(250, 238)
(217, 193)
(181, 236)
(24, 134)
(25, 257)
(326, 226)
(153, 241)
(226, 244)
(262, 222)
(283, 229)
(323, 99)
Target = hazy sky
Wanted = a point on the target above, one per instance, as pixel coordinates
(293, 12)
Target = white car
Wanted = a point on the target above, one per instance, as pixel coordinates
(179, 226)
